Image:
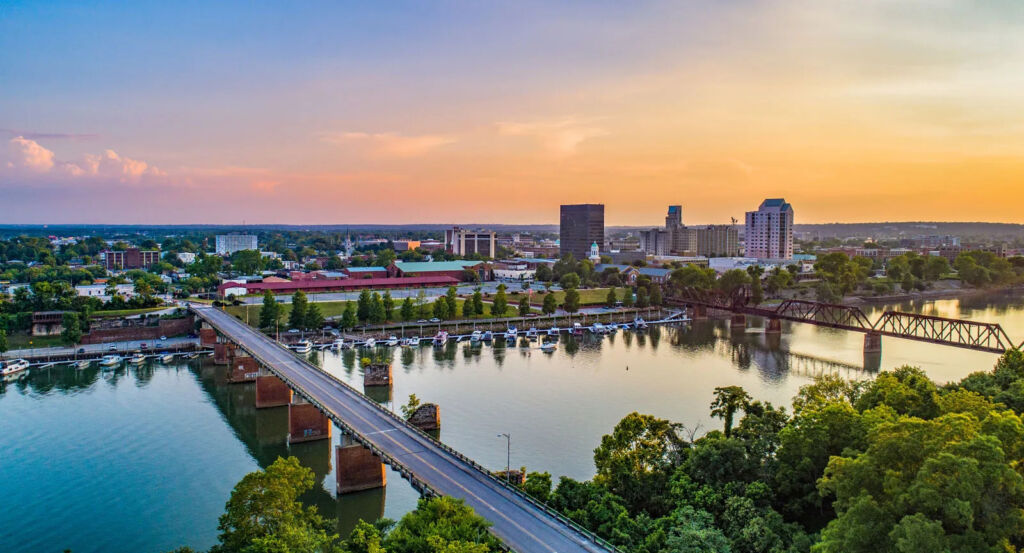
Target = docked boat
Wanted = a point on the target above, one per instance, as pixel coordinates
(13, 367)
(476, 336)
(511, 333)
(532, 332)
(441, 338)
(488, 336)
(166, 358)
(598, 328)
(553, 331)
(369, 343)
(548, 347)
(110, 360)
(137, 359)
(577, 329)
(304, 346)
(392, 341)
(639, 323)
(338, 344)
(414, 342)
(83, 364)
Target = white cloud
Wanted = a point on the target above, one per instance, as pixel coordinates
(25, 157)
(559, 138)
(390, 144)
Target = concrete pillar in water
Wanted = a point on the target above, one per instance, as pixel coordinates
(207, 336)
(427, 417)
(774, 326)
(873, 342)
(358, 469)
(738, 321)
(271, 391)
(700, 312)
(306, 423)
(243, 369)
(377, 374)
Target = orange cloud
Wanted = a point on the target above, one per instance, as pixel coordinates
(390, 144)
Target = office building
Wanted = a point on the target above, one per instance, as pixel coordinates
(227, 244)
(580, 226)
(655, 241)
(131, 258)
(460, 241)
(769, 230)
(717, 241)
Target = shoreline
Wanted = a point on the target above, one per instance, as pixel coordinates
(952, 293)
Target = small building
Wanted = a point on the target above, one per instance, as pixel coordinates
(366, 272)
(631, 274)
(514, 270)
(131, 258)
(186, 257)
(47, 323)
(453, 269)
(405, 245)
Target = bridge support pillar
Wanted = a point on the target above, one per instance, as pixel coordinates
(306, 423)
(223, 353)
(774, 326)
(207, 336)
(271, 391)
(377, 374)
(738, 321)
(700, 313)
(873, 342)
(243, 369)
(427, 417)
(358, 469)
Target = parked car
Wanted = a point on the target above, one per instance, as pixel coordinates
(143, 345)
(421, 321)
(162, 338)
(81, 350)
(112, 347)
(435, 320)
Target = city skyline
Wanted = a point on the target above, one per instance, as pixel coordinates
(323, 114)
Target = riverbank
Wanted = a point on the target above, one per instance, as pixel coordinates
(945, 293)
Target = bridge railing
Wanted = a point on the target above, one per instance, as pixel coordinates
(441, 445)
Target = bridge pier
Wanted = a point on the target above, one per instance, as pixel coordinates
(243, 369)
(738, 321)
(271, 391)
(358, 469)
(223, 352)
(872, 342)
(774, 326)
(427, 417)
(207, 336)
(306, 423)
(377, 374)
(699, 313)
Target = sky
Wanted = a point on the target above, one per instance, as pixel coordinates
(499, 111)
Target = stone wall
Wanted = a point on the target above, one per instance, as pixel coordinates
(166, 327)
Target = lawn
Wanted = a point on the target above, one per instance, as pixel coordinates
(336, 308)
(20, 340)
(589, 296)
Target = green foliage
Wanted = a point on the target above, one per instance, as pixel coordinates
(408, 309)
(441, 309)
(389, 306)
(72, 333)
(756, 290)
(728, 400)
(451, 297)
(297, 316)
(410, 406)
(611, 299)
(524, 306)
(571, 302)
(348, 317)
(732, 280)
(314, 317)
(363, 306)
(544, 273)
(478, 303)
(378, 314)
(550, 305)
(500, 304)
(635, 461)
(270, 312)
(692, 276)
(569, 280)
(841, 273)
(441, 524)
(4, 346)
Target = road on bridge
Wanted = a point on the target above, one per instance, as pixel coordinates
(522, 525)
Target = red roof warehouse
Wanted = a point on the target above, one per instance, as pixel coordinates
(339, 285)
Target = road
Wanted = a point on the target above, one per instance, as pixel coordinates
(522, 525)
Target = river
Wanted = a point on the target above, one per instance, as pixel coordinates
(143, 459)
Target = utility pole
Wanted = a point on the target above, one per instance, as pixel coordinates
(508, 456)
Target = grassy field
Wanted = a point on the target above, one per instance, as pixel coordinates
(336, 308)
(20, 340)
(124, 312)
(590, 296)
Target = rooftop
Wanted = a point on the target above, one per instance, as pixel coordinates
(428, 266)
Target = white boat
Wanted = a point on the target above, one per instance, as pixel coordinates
(533, 331)
(167, 358)
(84, 364)
(511, 333)
(338, 344)
(553, 331)
(303, 347)
(548, 347)
(639, 323)
(137, 359)
(414, 342)
(577, 329)
(14, 367)
(110, 360)
(476, 336)
(441, 338)
(392, 341)
(369, 343)
(598, 328)
(488, 336)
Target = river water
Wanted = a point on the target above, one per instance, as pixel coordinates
(143, 459)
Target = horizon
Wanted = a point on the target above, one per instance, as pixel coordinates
(210, 114)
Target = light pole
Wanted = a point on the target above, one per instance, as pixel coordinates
(508, 456)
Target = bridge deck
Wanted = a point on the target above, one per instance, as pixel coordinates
(522, 524)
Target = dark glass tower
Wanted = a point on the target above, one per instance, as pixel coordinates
(580, 226)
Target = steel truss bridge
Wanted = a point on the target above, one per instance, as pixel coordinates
(960, 333)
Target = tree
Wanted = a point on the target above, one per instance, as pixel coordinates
(544, 273)
(408, 310)
(935, 267)
(524, 306)
(643, 299)
(692, 276)
(297, 317)
(389, 306)
(569, 280)
(410, 406)
(610, 300)
(550, 305)
(500, 303)
(377, 313)
(247, 261)
(3, 341)
(636, 460)
(452, 298)
(732, 280)
(314, 317)
(571, 303)
(348, 317)
(72, 333)
(363, 306)
(441, 308)
(270, 312)
(478, 303)
(655, 298)
(756, 291)
(728, 400)
(443, 525)
(264, 509)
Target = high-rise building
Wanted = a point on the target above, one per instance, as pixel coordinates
(227, 244)
(717, 241)
(580, 226)
(460, 241)
(674, 217)
(769, 230)
(656, 241)
(131, 258)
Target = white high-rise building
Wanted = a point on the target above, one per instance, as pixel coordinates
(769, 230)
(227, 244)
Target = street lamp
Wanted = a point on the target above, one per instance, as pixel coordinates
(508, 456)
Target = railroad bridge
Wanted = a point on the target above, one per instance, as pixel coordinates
(960, 333)
(377, 436)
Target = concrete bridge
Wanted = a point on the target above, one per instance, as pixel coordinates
(379, 436)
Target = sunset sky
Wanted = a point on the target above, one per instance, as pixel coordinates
(497, 112)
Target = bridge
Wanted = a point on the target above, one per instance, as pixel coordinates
(960, 333)
(522, 523)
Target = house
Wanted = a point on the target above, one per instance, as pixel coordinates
(630, 274)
